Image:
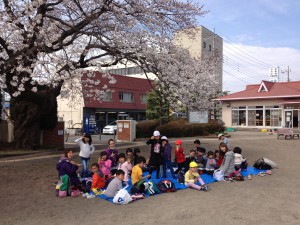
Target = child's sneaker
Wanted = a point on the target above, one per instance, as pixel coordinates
(249, 177)
(204, 188)
(91, 196)
(75, 193)
(229, 180)
(85, 195)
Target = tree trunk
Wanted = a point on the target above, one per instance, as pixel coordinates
(26, 124)
(32, 113)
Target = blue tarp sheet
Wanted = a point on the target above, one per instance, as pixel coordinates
(205, 177)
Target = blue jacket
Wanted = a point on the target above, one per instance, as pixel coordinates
(167, 151)
(65, 167)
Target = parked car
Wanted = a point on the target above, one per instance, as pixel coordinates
(110, 128)
(178, 115)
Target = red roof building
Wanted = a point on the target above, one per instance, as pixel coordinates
(123, 99)
(269, 104)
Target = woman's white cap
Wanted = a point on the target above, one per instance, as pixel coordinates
(156, 133)
(220, 135)
(164, 138)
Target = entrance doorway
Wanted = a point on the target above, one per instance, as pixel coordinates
(292, 118)
(296, 119)
(288, 115)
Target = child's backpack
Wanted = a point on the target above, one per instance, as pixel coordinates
(244, 165)
(180, 176)
(261, 164)
(166, 186)
(138, 187)
(63, 187)
(152, 188)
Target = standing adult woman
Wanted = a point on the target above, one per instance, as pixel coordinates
(112, 154)
(86, 150)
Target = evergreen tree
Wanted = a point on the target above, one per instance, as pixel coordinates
(157, 107)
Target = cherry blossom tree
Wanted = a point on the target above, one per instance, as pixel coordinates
(182, 80)
(45, 45)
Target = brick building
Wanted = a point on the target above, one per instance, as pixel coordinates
(126, 100)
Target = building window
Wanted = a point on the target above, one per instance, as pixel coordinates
(239, 117)
(204, 44)
(107, 97)
(143, 98)
(126, 97)
(126, 70)
(256, 116)
(209, 48)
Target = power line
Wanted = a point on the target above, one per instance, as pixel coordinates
(235, 77)
(249, 56)
(250, 72)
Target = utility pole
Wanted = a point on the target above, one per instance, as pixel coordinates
(288, 73)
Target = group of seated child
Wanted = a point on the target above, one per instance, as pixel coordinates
(132, 164)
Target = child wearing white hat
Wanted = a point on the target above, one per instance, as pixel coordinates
(155, 155)
(224, 139)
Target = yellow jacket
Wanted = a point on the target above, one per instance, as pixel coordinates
(190, 177)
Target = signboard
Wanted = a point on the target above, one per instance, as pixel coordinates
(198, 116)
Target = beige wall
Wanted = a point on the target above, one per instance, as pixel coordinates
(70, 110)
(70, 114)
(193, 41)
(226, 110)
(255, 103)
(226, 115)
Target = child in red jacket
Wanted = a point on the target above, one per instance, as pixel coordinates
(97, 182)
(98, 177)
(180, 157)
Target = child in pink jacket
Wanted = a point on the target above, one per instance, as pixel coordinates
(125, 165)
(104, 163)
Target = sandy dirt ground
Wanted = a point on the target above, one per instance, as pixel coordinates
(27, 194)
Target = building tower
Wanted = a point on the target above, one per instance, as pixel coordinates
(202, 43)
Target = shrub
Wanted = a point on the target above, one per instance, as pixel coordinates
(181, 128)
(146, 128)
(178, 128)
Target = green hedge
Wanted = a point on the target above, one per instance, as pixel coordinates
(146, 128)
(178, 128)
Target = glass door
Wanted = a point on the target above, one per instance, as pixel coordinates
(288, 114)
(296, 119)
(252, 118)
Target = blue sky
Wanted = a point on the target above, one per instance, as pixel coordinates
(257, 34)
